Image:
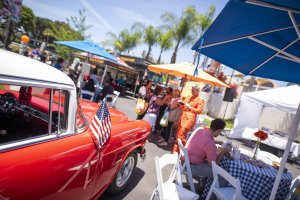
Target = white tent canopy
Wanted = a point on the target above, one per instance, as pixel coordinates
(273, 109)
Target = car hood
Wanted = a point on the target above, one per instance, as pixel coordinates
(90, 108)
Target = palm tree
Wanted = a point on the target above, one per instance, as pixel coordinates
(126, 40)
(203, 22)
(115, 42)
(150, 38)
(165, 41)
(182, 28)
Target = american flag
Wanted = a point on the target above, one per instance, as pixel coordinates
(101, 125)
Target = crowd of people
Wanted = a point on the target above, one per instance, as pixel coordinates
(89, 82)
(182, 115)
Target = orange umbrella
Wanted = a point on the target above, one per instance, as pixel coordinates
(186, 70)
(187, 89)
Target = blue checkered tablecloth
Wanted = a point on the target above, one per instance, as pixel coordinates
(256, 182)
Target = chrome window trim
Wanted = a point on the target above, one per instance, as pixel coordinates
(59, 105)
(33, 141)
(50, 113)
(34, 83)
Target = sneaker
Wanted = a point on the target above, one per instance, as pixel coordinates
(172, 140)
(163, 144)
(160, 139)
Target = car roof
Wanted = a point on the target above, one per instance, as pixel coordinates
(18, 66)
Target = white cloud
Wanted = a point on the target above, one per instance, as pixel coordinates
(129, 15)
(91, 9)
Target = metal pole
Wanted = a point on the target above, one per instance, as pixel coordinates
(101, 84)
(138, 77)
(292, 133)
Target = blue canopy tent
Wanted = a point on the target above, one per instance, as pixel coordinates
(90, 47)
(258, 38)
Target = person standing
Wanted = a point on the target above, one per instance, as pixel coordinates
(163, 101)
(121, 81)
(59, 63)
(153, 108)
(146, 94)
(191, 106)
(174, 115)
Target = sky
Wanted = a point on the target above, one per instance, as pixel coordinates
(116, 15)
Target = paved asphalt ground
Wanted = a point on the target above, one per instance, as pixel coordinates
(144, 179)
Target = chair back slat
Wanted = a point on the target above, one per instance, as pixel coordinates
(295, 183)
(160, 163)
(221, 172)
(186, 165)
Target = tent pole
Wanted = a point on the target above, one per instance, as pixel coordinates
(101, 84)
(292, 134)
(138, 78)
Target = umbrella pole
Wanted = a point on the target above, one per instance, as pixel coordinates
(293, 132)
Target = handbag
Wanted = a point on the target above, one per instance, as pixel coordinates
(141, 106)
(175, 114)
(164, 120)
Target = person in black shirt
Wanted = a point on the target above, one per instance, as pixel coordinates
(107, 89)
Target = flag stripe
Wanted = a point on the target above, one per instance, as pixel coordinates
(101, 125)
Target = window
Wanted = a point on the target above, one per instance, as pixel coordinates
(30, 112)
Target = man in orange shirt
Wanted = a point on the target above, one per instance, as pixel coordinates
(192, 106)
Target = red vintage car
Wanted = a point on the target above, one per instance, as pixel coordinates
(46, 147)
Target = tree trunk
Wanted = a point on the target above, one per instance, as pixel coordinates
(158, 61)
(148, 53)
(7, 34)
(195, 57)
(174, 55)
(196, 52)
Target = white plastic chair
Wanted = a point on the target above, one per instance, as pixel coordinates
(294, 185)
(185, 167)
(110, 99)
(88, 93)
(168, 189)
(230, 193)
(115, 99)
